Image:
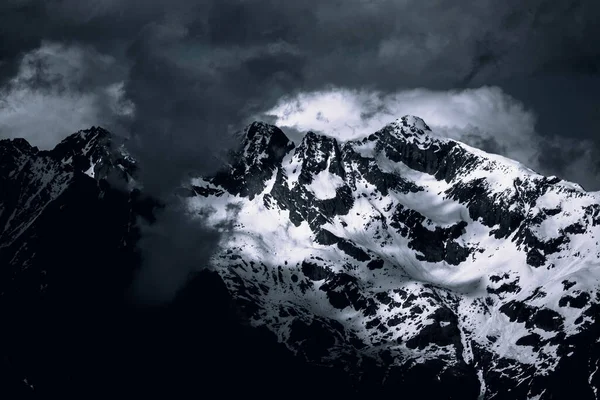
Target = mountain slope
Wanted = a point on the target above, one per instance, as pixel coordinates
(415, 252)
(401, 263)
(67, 255)
(47, 196)
(69, 236)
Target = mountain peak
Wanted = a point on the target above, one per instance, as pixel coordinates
(82, 143)
(414, 121)
(259, 130)
(93, 151)
(18, 143)
(406, 131)
(264, 142)
(312, 139)
(404, 249)
(413, 243)
(34, 179)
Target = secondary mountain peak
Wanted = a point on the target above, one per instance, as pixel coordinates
(417, 122)
(417, 258)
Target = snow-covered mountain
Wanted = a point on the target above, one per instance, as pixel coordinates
(48, 198)
(416, 252)
(32, 179)
(409, 261)
(67, 255)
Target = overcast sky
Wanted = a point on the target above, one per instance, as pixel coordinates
(177, 74)
(516, 77)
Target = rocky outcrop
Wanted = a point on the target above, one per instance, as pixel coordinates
(399, 263)
(405, 246)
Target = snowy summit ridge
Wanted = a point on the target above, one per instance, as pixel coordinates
(411, 261)
(414, 251)
(32, 179)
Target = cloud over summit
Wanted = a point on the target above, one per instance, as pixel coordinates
(59, 90)
(486, 118)
(177, 76)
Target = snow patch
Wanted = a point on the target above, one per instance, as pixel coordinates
(91, 170)
(324, 185)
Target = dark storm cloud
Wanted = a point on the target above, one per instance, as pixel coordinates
(60, 89)
(569, 112)
(189, 95)
(197, 70)
(173, 250)
(351, 42)
(221, 50)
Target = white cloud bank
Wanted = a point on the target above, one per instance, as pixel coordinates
(59, 90)
(486, 118)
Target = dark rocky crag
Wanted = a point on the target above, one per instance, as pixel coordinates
(67, 260)
(68, 255)
(465, 368)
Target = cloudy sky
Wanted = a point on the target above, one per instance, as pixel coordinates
(175, 77)
(518, 77)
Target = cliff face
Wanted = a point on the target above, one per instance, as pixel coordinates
(403, 262)
(58, 208)
(413, 252)
(67, 256)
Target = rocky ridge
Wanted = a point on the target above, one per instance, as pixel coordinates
(412, 251)
(402, 262)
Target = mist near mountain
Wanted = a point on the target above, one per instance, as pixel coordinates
(402, 261)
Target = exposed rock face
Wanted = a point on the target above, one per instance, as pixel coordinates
(415, 253)
(67, 255)
(62, 199)
(399, 263)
